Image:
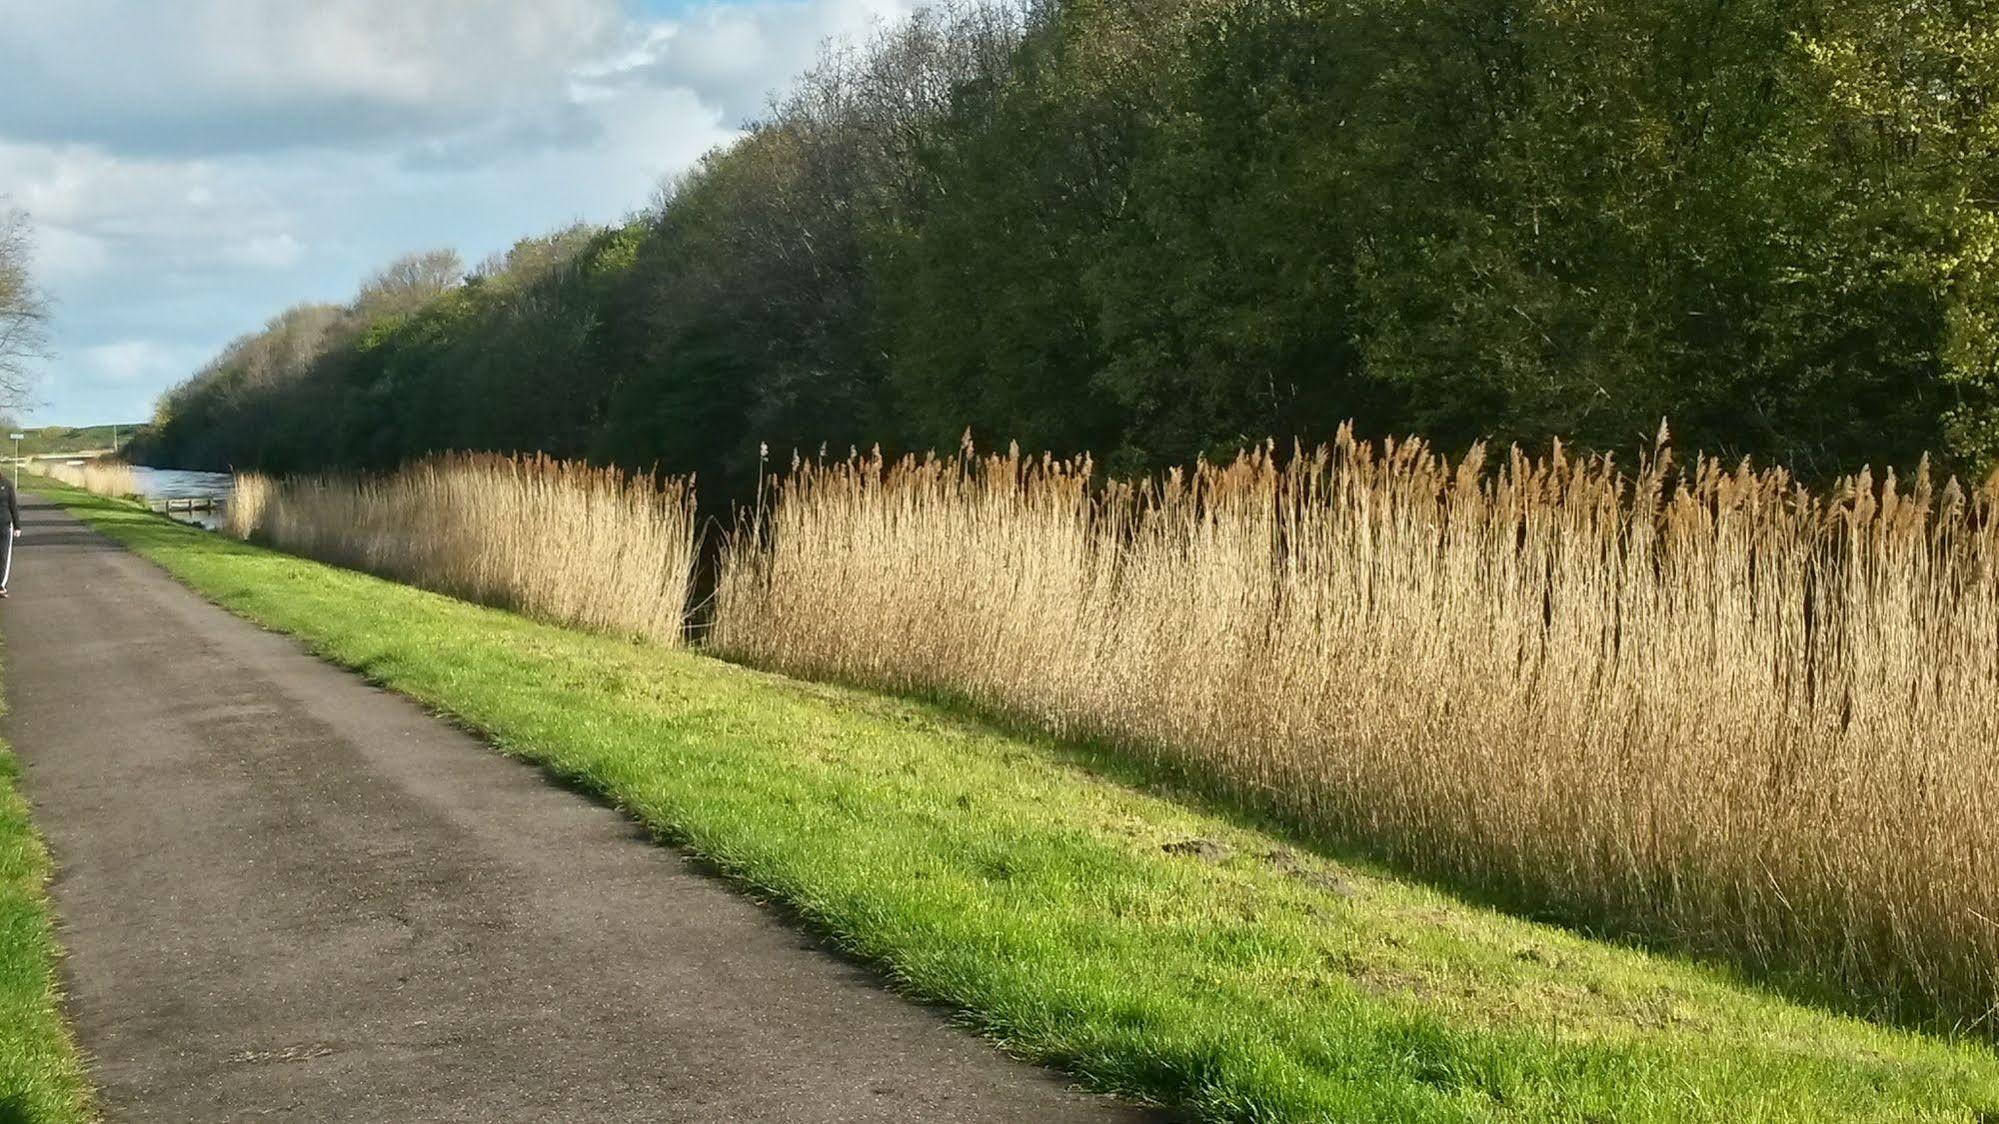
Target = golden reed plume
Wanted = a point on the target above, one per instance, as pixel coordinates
(1707, 706)
(564, 542)
(100, 477)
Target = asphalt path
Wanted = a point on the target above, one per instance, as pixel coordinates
(284, 892)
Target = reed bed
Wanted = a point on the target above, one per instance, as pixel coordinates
(100, 477)
(1706, 706)
(564, 542)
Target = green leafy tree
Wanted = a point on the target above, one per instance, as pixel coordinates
(1161, 229)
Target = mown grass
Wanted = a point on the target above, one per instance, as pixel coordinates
(41, 1075)
(1148, 947)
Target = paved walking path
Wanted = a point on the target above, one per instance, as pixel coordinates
(284, 892)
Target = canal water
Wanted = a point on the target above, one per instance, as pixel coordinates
(180, 484)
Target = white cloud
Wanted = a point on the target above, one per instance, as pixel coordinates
(94, 211)
(130, 360)
(735, 55)
(64, 255)
(193, 168)
(216, 76)
(273, 251)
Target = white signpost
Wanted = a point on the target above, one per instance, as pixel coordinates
(17, 458)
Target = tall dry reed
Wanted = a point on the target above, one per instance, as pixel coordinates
(1711, 706)
(564, 542)
(101, 477)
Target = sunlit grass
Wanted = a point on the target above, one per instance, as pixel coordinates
(41, 1077)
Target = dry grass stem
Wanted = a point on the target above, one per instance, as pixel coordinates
(100, 477)
(567, 543)
(1710, 706)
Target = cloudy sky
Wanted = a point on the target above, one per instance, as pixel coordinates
(192, 168)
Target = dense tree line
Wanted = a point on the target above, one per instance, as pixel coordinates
(1161, 228)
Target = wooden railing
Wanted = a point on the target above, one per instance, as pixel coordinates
(189, 504)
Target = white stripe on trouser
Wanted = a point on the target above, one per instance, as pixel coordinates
(6, 553)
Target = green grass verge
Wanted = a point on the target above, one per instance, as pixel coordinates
(1146, 946)
(41, 1076)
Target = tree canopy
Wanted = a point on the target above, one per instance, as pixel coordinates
(1158, 229)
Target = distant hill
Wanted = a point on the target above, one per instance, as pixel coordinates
(51, 439)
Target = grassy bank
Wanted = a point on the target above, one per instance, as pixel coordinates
(41, 1076)
(1080, 918)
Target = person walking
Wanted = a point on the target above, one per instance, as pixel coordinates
(13, 532)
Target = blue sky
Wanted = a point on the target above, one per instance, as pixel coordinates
(191, 169)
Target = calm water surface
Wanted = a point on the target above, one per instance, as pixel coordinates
(180, 484)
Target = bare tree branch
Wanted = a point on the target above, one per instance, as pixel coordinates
(23, 314)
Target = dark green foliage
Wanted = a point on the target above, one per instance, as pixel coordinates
(1158, 229)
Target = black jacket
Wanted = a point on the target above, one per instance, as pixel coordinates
(13, 505)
